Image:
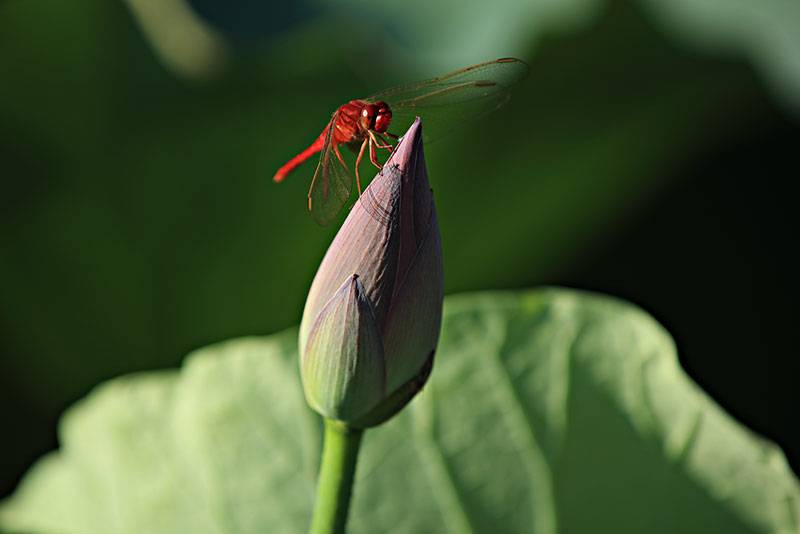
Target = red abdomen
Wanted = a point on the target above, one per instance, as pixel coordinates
(293, 163)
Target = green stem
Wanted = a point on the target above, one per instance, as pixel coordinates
(336, 472)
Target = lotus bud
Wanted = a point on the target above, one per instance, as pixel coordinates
(374, 310)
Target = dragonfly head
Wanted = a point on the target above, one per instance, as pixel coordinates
(376, 117)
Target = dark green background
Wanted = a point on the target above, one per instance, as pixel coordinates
(139, 220)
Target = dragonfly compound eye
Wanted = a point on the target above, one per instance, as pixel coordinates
(383, 117)
(367, 118)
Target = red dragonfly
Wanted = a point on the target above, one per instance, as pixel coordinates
(363, 124)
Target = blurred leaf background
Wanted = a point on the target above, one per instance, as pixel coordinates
(649, 154)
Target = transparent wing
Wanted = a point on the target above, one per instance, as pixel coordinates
(460, 85)
(332, 182)
(460, 96)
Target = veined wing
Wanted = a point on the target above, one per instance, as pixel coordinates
(468, 83)
(330, 188)
(459, 96)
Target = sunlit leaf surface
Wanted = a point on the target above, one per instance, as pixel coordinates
(547, 411)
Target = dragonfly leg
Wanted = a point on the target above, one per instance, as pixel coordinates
(339, 155)
(373, 155)
(373, 143)
(310, 190)
(387, 144)
(375, 137)
(358, 162)
(391, 135)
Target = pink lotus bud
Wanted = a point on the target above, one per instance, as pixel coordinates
(388, 316)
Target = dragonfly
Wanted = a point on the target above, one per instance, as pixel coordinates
(363, 125)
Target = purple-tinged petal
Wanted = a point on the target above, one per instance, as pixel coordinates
(343, 365)
(415, 318)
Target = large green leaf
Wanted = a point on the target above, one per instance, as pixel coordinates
(552, 410)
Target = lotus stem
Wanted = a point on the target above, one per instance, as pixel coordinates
(336, 473)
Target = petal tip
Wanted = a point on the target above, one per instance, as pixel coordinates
(406, 149)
